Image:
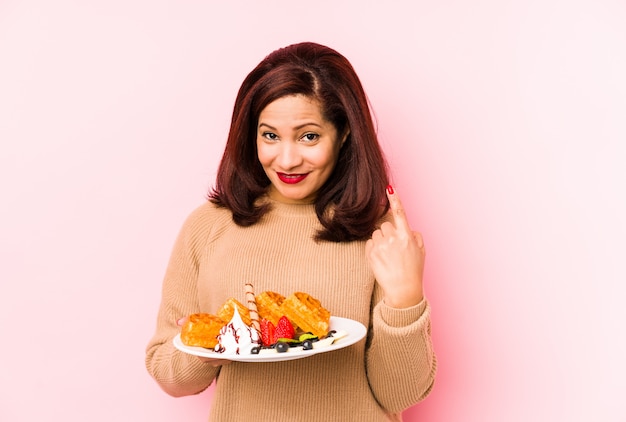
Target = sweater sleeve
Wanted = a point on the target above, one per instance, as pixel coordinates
(178, 373)
(401, 362)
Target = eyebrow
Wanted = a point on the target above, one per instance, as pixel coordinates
(295, 128)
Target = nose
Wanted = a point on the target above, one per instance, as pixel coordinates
(289, 156)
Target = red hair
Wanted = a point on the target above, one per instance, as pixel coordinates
(353, 199)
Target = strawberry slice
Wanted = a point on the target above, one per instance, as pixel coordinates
(267, 332)
(284, 329)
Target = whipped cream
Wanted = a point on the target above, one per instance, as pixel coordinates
(236, 338)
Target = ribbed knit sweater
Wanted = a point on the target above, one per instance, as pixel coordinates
(372, 380)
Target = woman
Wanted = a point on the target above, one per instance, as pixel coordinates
(301, 203)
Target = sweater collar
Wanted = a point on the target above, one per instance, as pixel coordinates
(294, 210)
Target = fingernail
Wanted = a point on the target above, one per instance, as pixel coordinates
(390, 189)
(180, 321)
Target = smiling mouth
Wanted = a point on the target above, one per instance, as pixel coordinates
(291, 179)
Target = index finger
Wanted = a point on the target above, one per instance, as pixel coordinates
(399, 216)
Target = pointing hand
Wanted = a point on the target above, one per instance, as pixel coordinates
(396, 255)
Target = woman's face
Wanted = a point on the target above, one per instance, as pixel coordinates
(297, 148)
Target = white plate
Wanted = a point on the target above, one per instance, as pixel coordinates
(356, 331)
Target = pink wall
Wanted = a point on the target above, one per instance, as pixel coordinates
(504, 126)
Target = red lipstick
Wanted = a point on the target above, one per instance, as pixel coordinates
(291, 179)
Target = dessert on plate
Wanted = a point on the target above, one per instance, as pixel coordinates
(201, 330)
(271, 323)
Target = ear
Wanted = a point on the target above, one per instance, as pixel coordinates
(345, 136)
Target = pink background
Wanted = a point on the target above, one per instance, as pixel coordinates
(504, 124)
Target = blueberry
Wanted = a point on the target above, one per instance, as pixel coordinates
(307, 345)
(255, 350)
(282, 347)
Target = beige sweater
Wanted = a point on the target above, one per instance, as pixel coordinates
(373, 380)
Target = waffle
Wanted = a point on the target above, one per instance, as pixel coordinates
(268, 304)
(227, 311)
(307, 313)
(201, 330)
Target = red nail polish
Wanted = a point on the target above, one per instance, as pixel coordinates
(390, 189)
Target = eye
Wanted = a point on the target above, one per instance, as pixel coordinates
(270, 136)
(310, 137)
